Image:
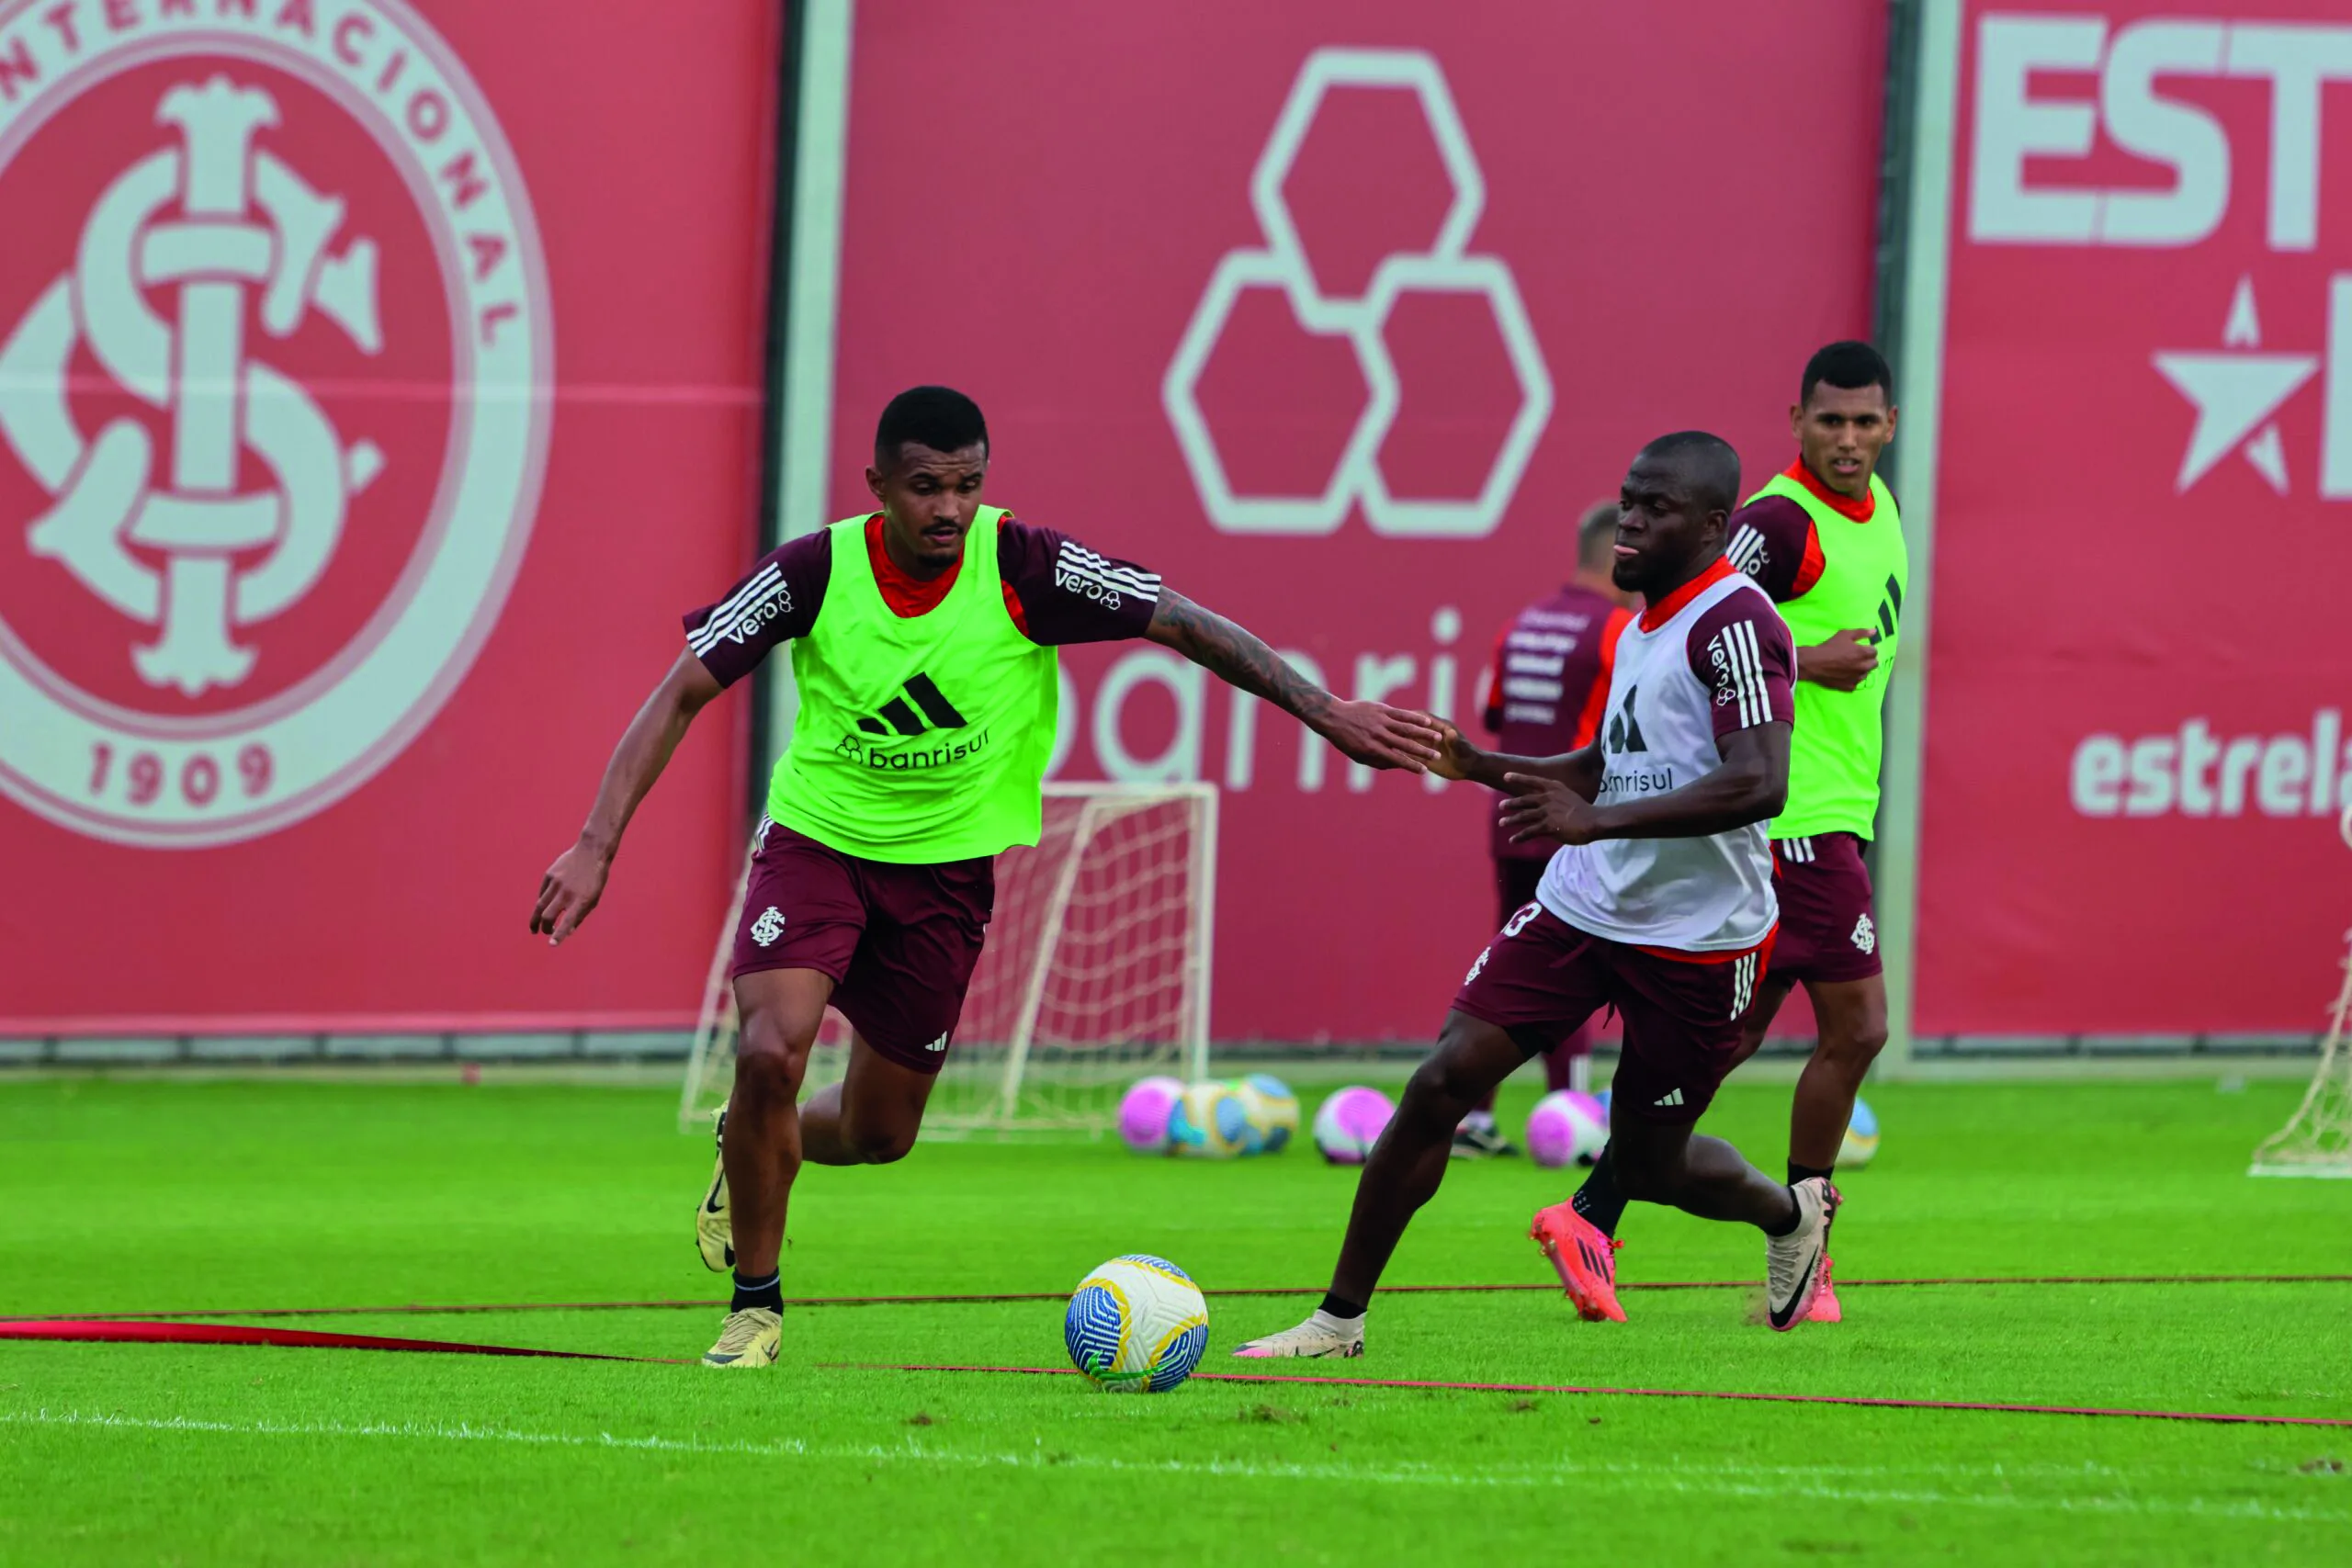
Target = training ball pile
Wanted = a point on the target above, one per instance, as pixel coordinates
(1137, 1324)
(1566, 1127)
(1216, 1118)
(1350, 1122)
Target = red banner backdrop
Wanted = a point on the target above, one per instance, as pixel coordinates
(2136, 743)
(1338, 316)
(376, 382)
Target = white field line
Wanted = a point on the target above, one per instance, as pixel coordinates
(1785, 1482)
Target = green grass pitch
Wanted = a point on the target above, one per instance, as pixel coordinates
(150, 1195)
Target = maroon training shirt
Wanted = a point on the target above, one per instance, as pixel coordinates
(1547, 686)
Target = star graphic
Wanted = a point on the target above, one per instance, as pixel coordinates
(2235, 392)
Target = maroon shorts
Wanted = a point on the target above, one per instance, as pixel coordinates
(1827, 932)
(898, 940)
(1541, 978)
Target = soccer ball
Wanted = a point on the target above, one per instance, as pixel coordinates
(1137, 1324)
(1144, 1111)
(1350, 1122)
(1211, 1120)
(1566, 1126)
(1272, 1109)
(1861, 1144)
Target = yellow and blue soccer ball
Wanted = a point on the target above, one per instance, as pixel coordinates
(1137, 1324)
(1212, 1121)
(1272, 1110)
(1861, 1144)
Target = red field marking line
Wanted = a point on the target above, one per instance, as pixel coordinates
(104, 1331)
(676, 1303)
(2219, 1417)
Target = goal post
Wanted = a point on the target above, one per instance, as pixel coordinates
(1096, 971)
(2317, 1140)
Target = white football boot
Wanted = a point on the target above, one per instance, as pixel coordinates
(1793, 1271)
(1321, 1334)
(714, 1229)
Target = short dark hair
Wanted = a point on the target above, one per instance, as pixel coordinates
(938, 417)
(1597, 533)
(1848, 365)
(1707, 461)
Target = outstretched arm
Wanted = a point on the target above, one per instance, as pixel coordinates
(1751, 786)
(1372, 733)
(576, 881)
(1579, 770)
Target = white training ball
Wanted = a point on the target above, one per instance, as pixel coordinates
(1210, 1120)
(1137, 1324)
(1350, 1121)
(1272, 1110)
(1860, 1143)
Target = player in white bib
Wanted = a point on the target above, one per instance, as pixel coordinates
(1661, 906)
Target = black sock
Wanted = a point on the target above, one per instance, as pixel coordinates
(1339, 1306)
(1796, 1213)
(767, 1292)
(1804, 1172)
(1598, 1199)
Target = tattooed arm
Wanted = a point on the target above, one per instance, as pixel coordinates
(1372, 733)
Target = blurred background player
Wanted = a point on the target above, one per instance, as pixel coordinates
(1661, 906)
(1824, 539)
(1543, 696)
(923, 637)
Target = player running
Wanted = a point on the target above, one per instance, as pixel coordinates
(923, 637)
(1661, 906)
(1824, 541)
(1543, 697)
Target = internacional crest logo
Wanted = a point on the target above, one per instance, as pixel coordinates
(274, 336)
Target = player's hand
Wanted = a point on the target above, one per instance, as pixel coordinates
(1843, 662)
(1453, 754)
(1381, 737)
(569, 892)
(1546, 808)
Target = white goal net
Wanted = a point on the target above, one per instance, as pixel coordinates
(1096, 971)
(2317, 1140)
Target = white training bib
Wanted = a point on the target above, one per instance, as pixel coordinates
(1710, 895)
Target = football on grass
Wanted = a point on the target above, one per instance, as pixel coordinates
(1350, 1122)
(1272, 1110)
(1137, 1324)
(1210, 1120)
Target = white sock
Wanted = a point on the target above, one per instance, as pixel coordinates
(1479, 1121)
(1326, 1322)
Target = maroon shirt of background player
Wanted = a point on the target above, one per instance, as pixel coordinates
(1547, 686)
(1052, 610)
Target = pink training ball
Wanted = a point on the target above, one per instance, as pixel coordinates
(1144, 1111)
(1565, 1127)
(1350, 1121)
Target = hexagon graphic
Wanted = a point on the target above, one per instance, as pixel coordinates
(1445, 268)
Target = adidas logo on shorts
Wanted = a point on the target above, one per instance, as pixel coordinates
(1672, 1096)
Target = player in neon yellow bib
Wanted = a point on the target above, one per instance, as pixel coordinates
(922, 645)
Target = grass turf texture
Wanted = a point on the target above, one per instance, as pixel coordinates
(124, 1196)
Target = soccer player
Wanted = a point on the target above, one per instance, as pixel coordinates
(1543, 697)
(1822, 538)
(1661, 906)
(922, 644)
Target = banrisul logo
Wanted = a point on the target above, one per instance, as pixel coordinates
(917, 728)
(273, 336)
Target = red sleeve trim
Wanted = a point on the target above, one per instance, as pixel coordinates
(1809, 570)
(1596, 701)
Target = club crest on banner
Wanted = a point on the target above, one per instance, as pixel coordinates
(274, 341)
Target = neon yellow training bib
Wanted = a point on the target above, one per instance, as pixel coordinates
(1834, 753)
(920, 739)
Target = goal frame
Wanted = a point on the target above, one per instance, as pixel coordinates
(1101, 805)
(2317, 1139)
